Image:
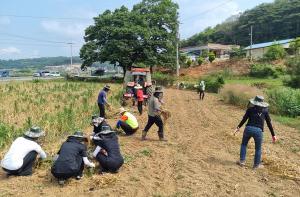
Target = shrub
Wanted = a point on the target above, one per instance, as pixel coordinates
(284, 101)
(293, 65)
(263, 70)
(189, 62)
(204, 53)
(211, 56)
(213, 83)
(237, 53)
(274, 52)
(200, 60)
(163, 79)
(239, 95)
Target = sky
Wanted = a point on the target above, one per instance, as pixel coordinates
(50, 24)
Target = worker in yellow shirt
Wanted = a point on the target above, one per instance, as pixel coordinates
(128, 122)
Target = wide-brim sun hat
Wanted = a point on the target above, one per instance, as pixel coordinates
(138, 86)
(106, 130)
(122, 110)
(79, 135)
(158, 89)
(34, 132)
(107, 87)
(259, 101)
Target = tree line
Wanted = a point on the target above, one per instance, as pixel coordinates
(271, 21)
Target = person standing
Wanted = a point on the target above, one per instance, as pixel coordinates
(256, 114)
(102, 100)
(20, 158)
(202, 90)
(71, 158)
(140, 97)
(128, 122)
(154, 115)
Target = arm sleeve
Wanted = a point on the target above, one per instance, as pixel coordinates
(87, 162)
(156, 105)
(245, 118)
(83, 152)
(268, 120)
(124, 118)
(96, 151)
(41, 152)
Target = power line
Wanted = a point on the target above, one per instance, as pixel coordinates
(34, 44)
(42, 17)
(208, 10)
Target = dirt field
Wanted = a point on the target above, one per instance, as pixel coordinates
(198, 160)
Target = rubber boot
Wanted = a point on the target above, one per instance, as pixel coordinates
(161, 136)
(144, 134)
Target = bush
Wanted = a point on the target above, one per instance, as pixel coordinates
(237, 53)
(284, 101)
(239, 95)
(293, 65)
(263, 70)
(211, 56)
(200, 60)
(275, 52)
(189, 62)
(213, 83)
(204, 53)
(163, 79)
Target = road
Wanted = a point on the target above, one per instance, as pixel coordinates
(7, 79)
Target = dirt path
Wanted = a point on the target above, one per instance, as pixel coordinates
(198, 160)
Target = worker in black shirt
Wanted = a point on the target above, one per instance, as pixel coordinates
(256, 114)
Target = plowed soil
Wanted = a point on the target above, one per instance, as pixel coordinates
(198, 159)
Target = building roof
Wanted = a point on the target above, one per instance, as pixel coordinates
(210, 46)
(267, 44)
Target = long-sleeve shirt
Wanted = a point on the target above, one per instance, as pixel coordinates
(13, 159)
(256, 117)
(154, 106)
(102, 98)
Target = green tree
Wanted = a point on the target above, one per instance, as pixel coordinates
(275, 52)
(146, 34)
(200, 60)
(295, 46)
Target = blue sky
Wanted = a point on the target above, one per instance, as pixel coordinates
(22, 37)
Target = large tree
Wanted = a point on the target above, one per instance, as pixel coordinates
(146, 34)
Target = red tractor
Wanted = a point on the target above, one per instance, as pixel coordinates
(133, 77)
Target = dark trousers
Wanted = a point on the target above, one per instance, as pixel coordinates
(26, 168)
(102, 110)
(110, 163)
(155, 120)
(202, 94)
(65, 176)
(127, 129)
(140, 107)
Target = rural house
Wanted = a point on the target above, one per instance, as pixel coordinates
(258, 50)
(221, 51)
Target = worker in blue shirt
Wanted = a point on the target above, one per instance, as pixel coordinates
(102, 100)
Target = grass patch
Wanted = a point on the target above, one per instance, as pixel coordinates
(291, 122)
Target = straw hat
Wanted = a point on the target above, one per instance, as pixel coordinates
(107, 87)
(34, 132)
(259, 101)
(79, 135)
(138, 86)
(122, 110)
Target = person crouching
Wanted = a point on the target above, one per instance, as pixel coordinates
(128, 122)
(71, 158)
(107, 152)
(20, 158)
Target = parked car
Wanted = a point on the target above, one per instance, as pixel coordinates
(36, 74)
(45, 73)
(4, 73)
(54, 74)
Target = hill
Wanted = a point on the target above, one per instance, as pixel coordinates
(37, 62)
(270, 21)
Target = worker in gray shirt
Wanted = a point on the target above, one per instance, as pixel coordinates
(154, 117)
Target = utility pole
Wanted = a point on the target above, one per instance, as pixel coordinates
(177, 51)
(251, 42)
(71, 48)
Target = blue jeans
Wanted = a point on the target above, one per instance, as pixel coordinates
(257, 134)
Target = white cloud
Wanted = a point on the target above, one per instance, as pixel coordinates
(10, 51)
(4, 20)
(199, 15)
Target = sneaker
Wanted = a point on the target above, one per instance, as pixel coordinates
(241, 163)
(79, 177)
(163, 139)
(259, 166)
(61, 181)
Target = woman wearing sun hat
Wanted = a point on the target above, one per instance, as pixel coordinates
(22, 154)
(107, 152)
(256, 114)
(71, 158)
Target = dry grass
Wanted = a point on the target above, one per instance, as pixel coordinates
(58, 107)
(237, 94)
